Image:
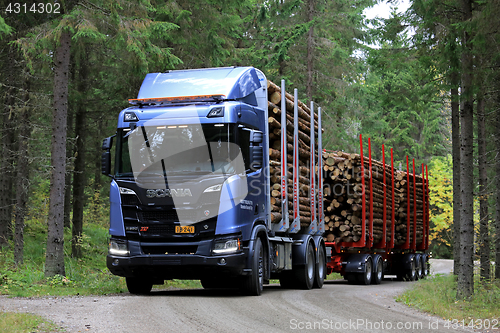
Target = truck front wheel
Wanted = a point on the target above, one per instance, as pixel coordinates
(254, 283)
(138, 286)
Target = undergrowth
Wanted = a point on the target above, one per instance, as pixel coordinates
(437, 295)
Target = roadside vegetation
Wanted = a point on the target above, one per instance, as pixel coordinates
(25, 323)
(437, 295)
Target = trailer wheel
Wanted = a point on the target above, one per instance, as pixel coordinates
(138, 286)
(425, 267)
(378, 272)
(418, 267)
(305, 274)
(320, 269)
(410, 273)
(366, 277)
(254, 283)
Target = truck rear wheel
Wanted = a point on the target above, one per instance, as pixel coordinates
(254, 283)
(139, 286)
(305, 274)
(319, 278)
(378, 272)
(366, 276)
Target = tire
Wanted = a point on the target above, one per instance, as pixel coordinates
(320, 269)
(305, 274)
(138, 286)
(410, 273)
(366, 277)
(378, 272)
(425, 267)
(418, 267)
(254, 283)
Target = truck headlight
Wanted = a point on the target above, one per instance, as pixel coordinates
(214, 188)
(118, 248)
(124, 190)
(227, 246)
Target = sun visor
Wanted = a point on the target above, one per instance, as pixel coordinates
(231, 82)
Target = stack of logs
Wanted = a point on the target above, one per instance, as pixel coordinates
(343, 204)
(401, 230)
(274, 111)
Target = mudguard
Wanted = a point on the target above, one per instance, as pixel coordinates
(258, 229)
(355, 263)
(299, 248)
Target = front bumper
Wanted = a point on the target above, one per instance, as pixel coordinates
(177, 266)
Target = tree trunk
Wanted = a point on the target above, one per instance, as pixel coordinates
(484, 238)
(79, 174)
(6, 152)
(455, 134)
(6, 149)
(68, 178)
(54, 258)
(497, 222)
(22, 187)
(465, 286)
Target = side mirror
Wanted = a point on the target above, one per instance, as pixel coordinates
(256, 150)
(106, 156)
(256, 157)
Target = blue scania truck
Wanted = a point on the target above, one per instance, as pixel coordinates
(190, 194)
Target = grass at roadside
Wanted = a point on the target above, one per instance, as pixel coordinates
(84, 276)
(437, 295)
(24, 323)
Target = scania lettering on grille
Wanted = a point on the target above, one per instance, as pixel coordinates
(161, 193)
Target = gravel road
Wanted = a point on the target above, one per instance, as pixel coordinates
(337, 307)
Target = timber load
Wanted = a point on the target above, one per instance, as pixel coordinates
(275, 109)
(370, 203)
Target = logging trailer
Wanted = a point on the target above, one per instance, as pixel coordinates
(198, 191)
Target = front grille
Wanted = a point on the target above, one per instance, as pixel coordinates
(169, 216)
(178, 249)
(130, 200)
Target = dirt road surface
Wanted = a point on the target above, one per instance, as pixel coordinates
(337, 307)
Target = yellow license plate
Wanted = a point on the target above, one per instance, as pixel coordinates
(189, 229)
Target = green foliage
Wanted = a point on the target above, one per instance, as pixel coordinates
(405, 107)
(84, 276)
(441, 206)
(4, 28)
(25, 323)
(437, 295)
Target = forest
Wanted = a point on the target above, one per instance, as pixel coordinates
(425, 82)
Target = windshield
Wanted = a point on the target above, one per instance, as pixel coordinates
(168, 150)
